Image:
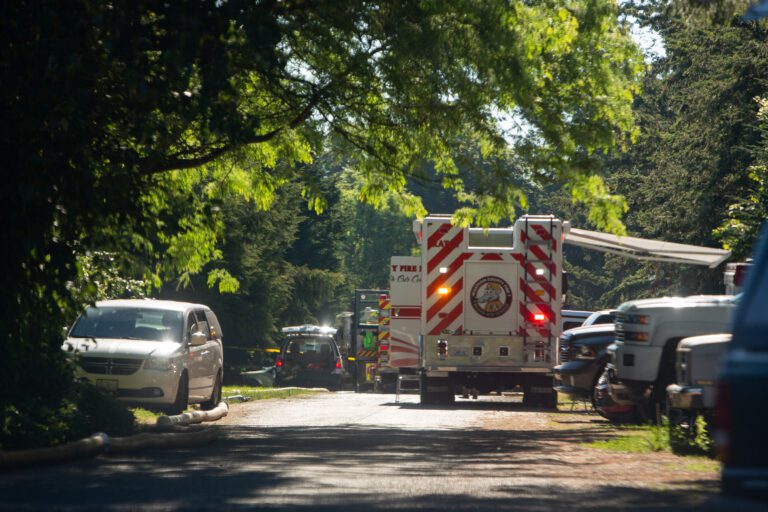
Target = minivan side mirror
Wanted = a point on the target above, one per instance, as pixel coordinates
(197, 339)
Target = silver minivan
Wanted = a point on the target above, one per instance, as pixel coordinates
(150, 352)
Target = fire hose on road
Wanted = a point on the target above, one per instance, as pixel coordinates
(102, 443)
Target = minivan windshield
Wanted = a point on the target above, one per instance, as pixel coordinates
(129, 323)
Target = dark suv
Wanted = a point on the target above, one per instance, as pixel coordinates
(309, 357)
(740, 413)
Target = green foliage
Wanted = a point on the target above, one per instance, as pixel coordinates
(85, 410)
(132, 124)
(638, 439)
(748, 213)
(695, 174)
(692, 439)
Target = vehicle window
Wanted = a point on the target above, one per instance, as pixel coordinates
(603, 319)
(570, 325)
(202, 323)
(129, 323)
(213, 323)
(191, 326)
(310, 350)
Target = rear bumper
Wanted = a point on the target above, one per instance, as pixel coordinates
(685, 397)
(443, 371)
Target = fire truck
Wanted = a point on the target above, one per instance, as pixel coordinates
(365, 338)
(491, 302)
(400, 321)
(491, 306)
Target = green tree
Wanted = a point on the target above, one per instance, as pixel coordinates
(127, 123)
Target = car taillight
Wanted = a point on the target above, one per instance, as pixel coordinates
(338, 364)
(279, 362)
(723, 421)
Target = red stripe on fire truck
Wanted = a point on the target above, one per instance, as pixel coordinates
(450, 271)
(445, 323)
(444, 301)
(445, 250)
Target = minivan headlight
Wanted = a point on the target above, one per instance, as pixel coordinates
(162, 364)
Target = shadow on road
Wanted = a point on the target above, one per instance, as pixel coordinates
(347, 468)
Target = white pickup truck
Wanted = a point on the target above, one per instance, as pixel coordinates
(647, 335)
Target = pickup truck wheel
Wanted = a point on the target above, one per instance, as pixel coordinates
(593, 394)
(603, 402)
(215, 395)
(657, 401)
(181, 402)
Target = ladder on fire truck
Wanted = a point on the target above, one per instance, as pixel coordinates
(537, 267)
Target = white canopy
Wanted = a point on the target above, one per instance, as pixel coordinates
(643, 249)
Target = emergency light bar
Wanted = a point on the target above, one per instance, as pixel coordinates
(309, 329)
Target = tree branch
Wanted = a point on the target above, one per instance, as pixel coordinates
(149, 166)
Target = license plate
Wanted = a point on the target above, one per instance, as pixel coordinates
(108, 384)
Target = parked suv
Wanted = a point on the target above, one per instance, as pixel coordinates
(309, 357)
(150, 352)
(741, 414)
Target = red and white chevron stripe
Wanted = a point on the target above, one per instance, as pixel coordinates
(447, 251)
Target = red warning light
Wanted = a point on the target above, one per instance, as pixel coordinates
(539, 317)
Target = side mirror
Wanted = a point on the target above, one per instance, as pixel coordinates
(197, 339)
(65, 331)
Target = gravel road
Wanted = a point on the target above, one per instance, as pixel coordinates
(346, 451)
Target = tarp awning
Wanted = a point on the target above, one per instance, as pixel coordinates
(643, 249)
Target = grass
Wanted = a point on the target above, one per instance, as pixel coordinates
(637, 439)
(257, 393)
(697, 464)
(145, 416)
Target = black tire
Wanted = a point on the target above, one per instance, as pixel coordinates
(215, 395)
(601, 398)
(181, 402)
(592, 395)
(657, 401)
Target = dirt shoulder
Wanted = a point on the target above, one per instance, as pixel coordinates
(567, 444)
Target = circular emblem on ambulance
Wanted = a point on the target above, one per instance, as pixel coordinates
(491, 296)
